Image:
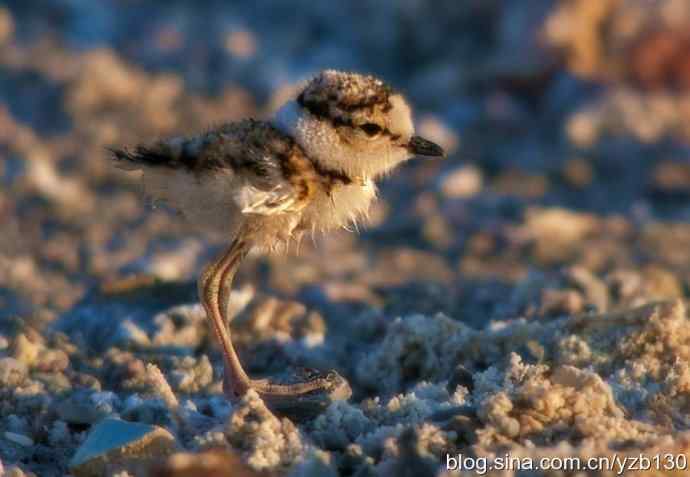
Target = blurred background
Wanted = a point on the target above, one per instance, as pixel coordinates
(567, 121)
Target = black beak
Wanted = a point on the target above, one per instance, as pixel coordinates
(423, 147)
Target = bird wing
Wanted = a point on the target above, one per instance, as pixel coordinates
(256, 155)
(265, 162)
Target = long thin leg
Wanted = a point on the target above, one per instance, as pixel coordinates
(302, 399)
(210, 286)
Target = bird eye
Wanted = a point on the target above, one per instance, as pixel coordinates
(371, 129)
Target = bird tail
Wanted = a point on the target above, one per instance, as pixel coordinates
(175, 153)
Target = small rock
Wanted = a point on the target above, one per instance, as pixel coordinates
(595, 290)
(18, 424)
(671, 177)
(129, 335)
(316, 464)
(120, 445)
(558, 232)
(267, 442)
(561, 302)
(462, 182)
(6, 28)
(83, 407)
(12, 372)
(52, 361)
(181, 326)
(196, 375)
(241, 44)
(86, 381)
(20, 439)
(55, 383)
(25, 350)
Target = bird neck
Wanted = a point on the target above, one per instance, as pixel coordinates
(290, 120)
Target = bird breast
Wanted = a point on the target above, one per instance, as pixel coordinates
(341, 206)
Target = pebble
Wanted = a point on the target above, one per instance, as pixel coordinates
(6, 29)
(52, 361)
(12, 372)
(20, 439)
(83, 407)
(114, 445)
(129, 335)
(25, 350)
(463, 182)
(55, 383)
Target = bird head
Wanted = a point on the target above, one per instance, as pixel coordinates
(355, 124)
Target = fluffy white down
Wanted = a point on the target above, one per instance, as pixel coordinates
(365, 158)
(210, 204)
(347, 205)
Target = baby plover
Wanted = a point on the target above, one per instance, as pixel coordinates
(263, 184)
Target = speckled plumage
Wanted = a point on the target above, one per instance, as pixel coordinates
(345, 96)
(264, 183)
(311, 170)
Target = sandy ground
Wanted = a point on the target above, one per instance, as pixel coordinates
(528, 296)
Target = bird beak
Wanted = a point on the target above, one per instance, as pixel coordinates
(423, 147)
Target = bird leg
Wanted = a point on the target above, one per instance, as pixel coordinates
(297, 400)
(210, 283)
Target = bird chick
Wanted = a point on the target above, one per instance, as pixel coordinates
(262, 184)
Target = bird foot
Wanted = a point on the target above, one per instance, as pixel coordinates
(307, 395)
